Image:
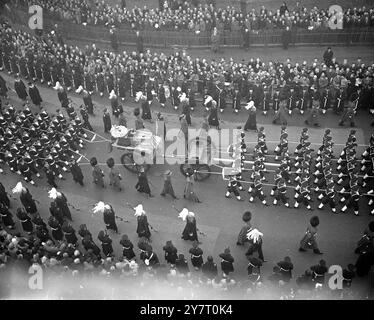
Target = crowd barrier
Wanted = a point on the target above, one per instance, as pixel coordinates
(158, 38)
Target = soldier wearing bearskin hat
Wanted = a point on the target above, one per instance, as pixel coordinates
(114, 175)
(309, 240)
(97, 173)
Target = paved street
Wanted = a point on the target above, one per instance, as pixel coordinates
(218, 217)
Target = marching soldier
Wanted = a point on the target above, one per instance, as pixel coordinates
(277, 178)
(281, 193)
(261, 140)
(97, 173)
(232, 187)
(256, 190)
(309, 239)
(283, 144)
(303, 195)
(329, 197)
(354, 198)
(114, 175)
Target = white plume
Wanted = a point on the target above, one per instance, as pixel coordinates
(254, 235)
(53, 194)
(80, 89)
(58, 86)
(183, 214)
(18, 188)
(99, 207)
(139, 210)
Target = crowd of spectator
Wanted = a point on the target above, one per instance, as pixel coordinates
(49, 60)
(195, 17)
(73, 271)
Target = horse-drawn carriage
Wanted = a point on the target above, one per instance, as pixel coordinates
(142, 148)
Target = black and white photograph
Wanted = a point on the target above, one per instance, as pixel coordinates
(168, 151)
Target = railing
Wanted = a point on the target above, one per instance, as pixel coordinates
(158, 38)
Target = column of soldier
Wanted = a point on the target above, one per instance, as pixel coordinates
(353, 178)
(31, 142)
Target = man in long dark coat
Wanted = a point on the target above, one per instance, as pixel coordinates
(110, 219)
(27, 201)
(34, 94)
(4, 199)
(107, 121)
(87, 100)
(142, 185)
(20, 88)
(146, 110)
(76, 171)
(3, 87)
(62, 204)
(168, 187)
